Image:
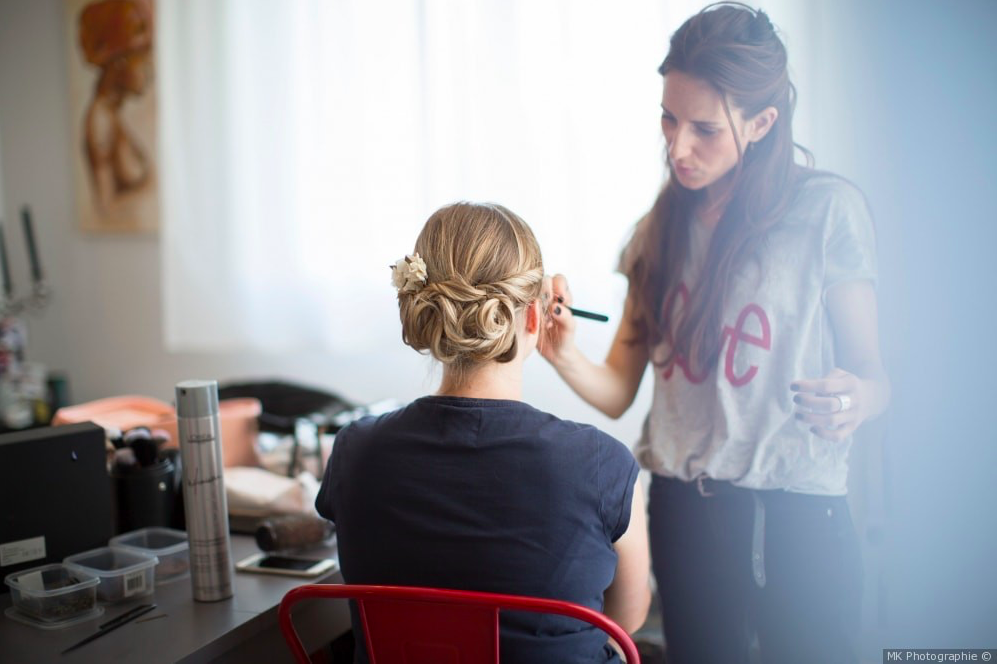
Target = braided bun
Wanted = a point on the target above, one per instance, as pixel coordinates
(483, 265)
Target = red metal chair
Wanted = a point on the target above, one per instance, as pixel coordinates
(434, 625)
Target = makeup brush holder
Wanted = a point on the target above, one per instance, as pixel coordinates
(145, 496)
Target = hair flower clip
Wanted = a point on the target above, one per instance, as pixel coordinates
(409, 274)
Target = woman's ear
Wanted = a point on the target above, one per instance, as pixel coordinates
(533, 317)
(757, 127)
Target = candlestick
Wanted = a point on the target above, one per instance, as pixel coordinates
(29, 237)
(4, 269)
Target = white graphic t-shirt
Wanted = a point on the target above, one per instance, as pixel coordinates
(735, 422)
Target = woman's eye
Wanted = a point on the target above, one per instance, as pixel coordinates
(706, 131)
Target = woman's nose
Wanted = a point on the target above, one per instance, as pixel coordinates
(678, 144)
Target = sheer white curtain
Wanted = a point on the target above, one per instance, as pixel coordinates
(305, 142)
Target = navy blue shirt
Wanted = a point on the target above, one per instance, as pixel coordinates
(487, 495)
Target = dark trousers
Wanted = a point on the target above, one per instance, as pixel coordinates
(735, 590)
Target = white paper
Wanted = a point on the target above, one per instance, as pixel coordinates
(22, 551)
(32, 581)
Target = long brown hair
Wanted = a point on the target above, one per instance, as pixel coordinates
(735, 49)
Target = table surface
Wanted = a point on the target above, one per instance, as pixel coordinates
(243, 627)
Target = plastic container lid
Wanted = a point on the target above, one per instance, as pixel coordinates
(153, 540)
(105, 561)
(49, 580)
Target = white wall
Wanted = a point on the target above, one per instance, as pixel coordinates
(103, 327)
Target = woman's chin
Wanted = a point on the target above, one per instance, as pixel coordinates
(687, 182)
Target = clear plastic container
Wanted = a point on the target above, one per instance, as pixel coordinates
(123, 574)
(169, 545)
(53, 594)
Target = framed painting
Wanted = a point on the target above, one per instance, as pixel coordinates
(112, 102)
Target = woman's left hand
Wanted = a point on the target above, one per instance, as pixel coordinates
(833, 406)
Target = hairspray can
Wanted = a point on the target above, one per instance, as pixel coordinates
(204, 490)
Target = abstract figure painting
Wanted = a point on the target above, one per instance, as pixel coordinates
(113, 107)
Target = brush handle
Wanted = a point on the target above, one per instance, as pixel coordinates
(581, 313)
(112, 625)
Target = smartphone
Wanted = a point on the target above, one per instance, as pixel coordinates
(265, 563)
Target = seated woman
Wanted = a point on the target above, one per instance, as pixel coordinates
(471, 488)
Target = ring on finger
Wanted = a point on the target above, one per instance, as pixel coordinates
(844, 402)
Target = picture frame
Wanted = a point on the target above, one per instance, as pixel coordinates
(113, 114)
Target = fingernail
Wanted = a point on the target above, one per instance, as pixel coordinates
(557, 310)
(797, 399)
(794, 387)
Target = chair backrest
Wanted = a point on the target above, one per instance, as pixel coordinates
(435, 625)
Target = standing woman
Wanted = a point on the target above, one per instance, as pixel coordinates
(752, 296)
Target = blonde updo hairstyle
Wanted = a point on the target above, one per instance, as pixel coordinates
(483, 265)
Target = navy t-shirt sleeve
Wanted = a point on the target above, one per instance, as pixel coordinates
(617, 478)
(325, 502)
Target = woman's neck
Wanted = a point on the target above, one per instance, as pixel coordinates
(714, 201)
(495, 380)
(709, 215)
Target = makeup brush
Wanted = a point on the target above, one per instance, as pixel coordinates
(581, 313)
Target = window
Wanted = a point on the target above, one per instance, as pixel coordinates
(304, 144)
